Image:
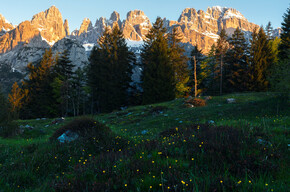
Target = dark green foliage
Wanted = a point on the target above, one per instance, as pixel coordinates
(110, 71)
(285, 37)
(8, 128)
(62, 85)
(40, 101)
(158, 79)
(179, 63)
(280, 76)
(220, 53)
(63, 67)
(237, 63)
(80, 103)
(269, 31)
(86, 128)
(260, 61)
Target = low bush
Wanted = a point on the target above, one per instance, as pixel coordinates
(86, 128)
(196, 102)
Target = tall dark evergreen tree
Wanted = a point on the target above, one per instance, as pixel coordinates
(280, 77)
(62, 72)
(284, 46)
(39, 101)
(179, 62)
(221, 49)
(158, 79)
(209, 72)
(4, 108)
(260, 60)
(110, 71)
(269, 30)
(237, 63)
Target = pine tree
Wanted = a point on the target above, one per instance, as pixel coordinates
(269, 31)
(285, 37)
(179, 63)
(209, 72)
(39, 101)
(63, 72)
(3, 109)
(237, 63)
(221, 49)
(158, 79)
(110, 71)
(260, 60)
(280, 77)
(15, 99)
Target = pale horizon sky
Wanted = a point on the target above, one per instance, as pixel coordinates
(257, 11)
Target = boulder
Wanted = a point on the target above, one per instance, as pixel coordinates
(68, 137)
(231, 100)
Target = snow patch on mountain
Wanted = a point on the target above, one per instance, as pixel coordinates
(88, 46)
(131, 43)
(50, 43)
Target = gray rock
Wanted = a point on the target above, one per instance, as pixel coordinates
(67, 137)
(231, 100)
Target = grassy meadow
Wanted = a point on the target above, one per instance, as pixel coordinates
(242, 146)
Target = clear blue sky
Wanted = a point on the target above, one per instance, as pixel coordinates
(257, 11)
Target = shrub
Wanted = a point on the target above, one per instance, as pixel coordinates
(86, 128)
(196, 102)
(7, 127)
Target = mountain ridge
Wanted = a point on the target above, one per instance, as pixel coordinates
(30, 38)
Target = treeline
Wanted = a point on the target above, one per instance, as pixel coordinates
(55, 87)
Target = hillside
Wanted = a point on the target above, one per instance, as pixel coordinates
(241, 146)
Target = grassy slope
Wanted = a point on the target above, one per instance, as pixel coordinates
(30, 163)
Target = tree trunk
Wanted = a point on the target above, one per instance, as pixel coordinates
(221, 80)
(195, 79)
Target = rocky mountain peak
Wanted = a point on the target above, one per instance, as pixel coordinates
(115, 16)
(136, 26)
(50, 24)
(85, 26)
(4, 25)
(21, 35)
(188, 15)
(66, 27)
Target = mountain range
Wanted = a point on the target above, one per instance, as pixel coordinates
(27, 41)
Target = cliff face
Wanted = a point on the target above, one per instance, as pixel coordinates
(202, 28)
(21, 35)
(48, 24)
(196, 27)
(5, 25)
(136, 26)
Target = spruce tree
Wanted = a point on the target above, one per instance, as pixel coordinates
(179, 63)
(3, 109)
(260, 60)
(269, 30)
(209, 72)
(285, 37)
(221, 49)
(110, 71)
(158, 79)
(39, 101)
(62, 72)
(237, 63)
(280, 77)
(15, 99)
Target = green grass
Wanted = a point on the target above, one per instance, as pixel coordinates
(141, 158)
